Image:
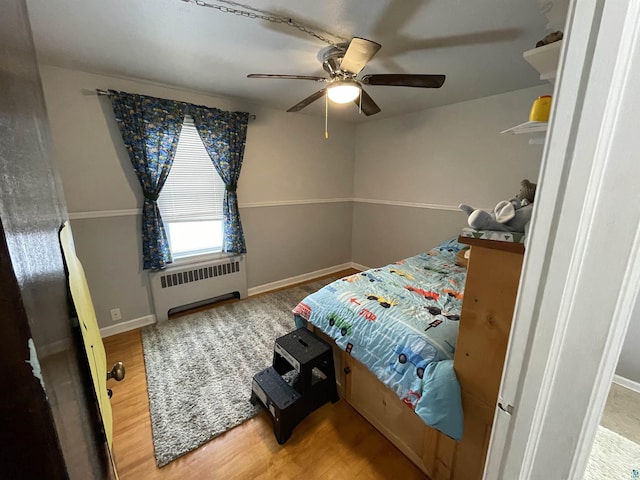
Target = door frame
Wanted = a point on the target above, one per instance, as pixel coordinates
(581, 273)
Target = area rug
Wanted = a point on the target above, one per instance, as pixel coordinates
(613, 457)
(200, 367)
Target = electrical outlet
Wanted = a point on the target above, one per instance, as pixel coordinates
(116, 315)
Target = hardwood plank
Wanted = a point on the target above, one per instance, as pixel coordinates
(332, 442)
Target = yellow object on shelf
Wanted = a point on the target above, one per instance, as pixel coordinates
(540, 109)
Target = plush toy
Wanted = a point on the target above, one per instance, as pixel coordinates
(511, 215)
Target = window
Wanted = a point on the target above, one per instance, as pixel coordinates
(191, 200)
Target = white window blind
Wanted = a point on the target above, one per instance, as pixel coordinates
(193, 190)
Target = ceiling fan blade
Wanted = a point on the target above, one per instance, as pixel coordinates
(358, 54)
(408, 44)
(404, 80)
(288, 77)
(307, 101)
(369, 107)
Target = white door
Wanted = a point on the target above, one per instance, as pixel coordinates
(582, 269)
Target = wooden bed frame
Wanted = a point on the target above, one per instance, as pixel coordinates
(492, 281)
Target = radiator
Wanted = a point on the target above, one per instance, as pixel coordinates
(197, 284)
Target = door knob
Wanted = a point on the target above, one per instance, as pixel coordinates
(117, 372)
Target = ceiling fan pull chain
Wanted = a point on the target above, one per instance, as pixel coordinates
(267, 16)
(326, 116)
(360, 103)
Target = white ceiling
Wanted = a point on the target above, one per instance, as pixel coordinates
(477, 44)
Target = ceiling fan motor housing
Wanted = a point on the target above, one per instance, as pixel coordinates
(331, 58)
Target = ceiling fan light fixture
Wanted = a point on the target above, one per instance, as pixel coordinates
(343, 91)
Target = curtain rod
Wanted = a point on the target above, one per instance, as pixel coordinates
(101, 92)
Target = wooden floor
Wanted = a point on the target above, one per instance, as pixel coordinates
(334, 442)
(622, 412)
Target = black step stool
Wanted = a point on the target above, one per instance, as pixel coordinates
(301, 379)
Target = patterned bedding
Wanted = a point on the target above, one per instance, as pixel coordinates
(401, 321)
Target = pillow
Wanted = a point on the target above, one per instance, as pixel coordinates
(462, 258)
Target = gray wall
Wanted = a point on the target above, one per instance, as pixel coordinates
(425, 164)
(283, 242)
(629, 362)
(292, 189)
(383, 234)
(290, 240)
(110, 251)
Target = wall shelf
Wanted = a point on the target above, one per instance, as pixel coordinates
(530, 127)
(527, 127)
(545, 59)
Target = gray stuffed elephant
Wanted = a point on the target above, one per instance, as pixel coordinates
(511, 215)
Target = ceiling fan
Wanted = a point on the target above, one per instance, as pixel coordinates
(343, 62)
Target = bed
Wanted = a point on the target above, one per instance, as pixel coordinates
(397, 332)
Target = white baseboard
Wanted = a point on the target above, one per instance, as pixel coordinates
(357, 266)
(302, 278)
(128, 325)
(625, 382)
(149, 319)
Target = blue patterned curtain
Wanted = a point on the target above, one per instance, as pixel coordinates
(224, 135)
(150, 129)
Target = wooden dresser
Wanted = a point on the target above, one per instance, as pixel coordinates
(493, 276)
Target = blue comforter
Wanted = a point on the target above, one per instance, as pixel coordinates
(401, 321)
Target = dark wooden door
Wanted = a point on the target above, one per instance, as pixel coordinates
(49, 421)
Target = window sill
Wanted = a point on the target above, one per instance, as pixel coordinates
(202, 258)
